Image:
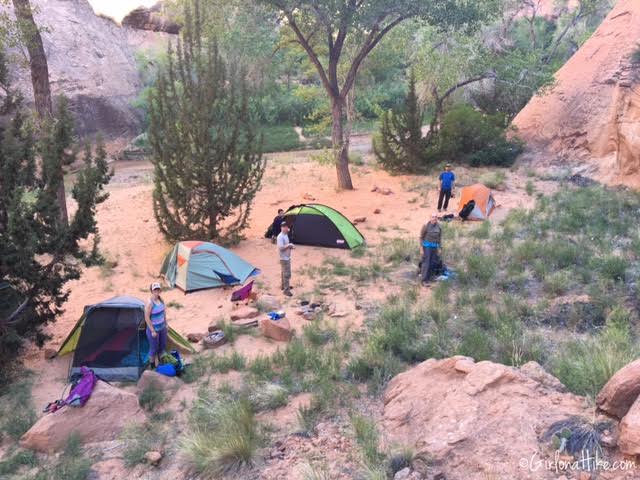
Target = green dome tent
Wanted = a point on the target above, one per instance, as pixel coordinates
(110, 339)
(322, 226)
(196, 265)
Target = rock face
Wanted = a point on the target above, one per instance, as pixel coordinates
(92, 61)
(153, 19)
(159, 381)
(279, 330)
(629, 437)
(592, 114)
(102, 418)
(477, 417)
(621, 391)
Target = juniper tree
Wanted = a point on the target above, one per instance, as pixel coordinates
(400, 146)
(207, 156)
(39, 253)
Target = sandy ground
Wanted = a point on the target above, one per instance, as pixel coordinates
(131, 239)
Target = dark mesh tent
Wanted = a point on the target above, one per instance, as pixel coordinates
(110, 339)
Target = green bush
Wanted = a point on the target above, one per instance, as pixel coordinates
(280, 138)
(367, 438)
(224, 436)
(585, 365)
(72, 465)
(16, 409)
(471, 137)
(21, 458)
(151, 397)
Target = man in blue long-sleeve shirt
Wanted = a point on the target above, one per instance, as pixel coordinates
(447, 182)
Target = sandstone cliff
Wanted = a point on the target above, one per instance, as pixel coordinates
(592, 114)
(92, 60)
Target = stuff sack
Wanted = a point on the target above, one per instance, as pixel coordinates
(467, 209)
(82, 390)
(166, 369)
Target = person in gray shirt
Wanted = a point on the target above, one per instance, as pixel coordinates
(284, 250)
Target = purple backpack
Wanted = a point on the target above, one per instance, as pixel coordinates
(82, 390)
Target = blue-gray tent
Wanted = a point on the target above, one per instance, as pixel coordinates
(110, 339)
(195, 265)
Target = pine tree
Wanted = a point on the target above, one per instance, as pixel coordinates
(39, 253)
(400, 146)
(207, 156)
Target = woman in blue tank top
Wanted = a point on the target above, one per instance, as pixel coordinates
(155, 318)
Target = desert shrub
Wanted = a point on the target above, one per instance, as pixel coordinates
(138, 439)
(309, 416)
(262, 367)
(367, 437)
(16, 408)
(17, 460)
(494, 180)
(476, 343)
(585, 365)
(316, 335)
(280, 138)
(151, 397)
(530, 188)
(266, 396)
(471, 137)
(224, 436)
(72, 464)
(225, 363)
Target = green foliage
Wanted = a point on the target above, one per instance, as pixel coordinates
(585, 365)
(494, 180)
(17, 460)
(400, 146)
(469, 136)
(207, 155)
(224, 436)
(38, 249)
(151, 397)
(72, 465)
(367, 437)
(16, 409)
(280, 138)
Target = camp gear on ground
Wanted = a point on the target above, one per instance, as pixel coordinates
(276, 315)
(321, 226)
(467, 209)
(110, 339)
(483, 201)
(81, 392)
(166, 369)
(447, 218)
(53, 406)
(242, 293)
(198, 265)
(214, 339)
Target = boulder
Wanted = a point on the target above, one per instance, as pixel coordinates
(269, 303)
(102, 418)
(629, 431)
(244, 313)
(621, 391)
(590, 116)
(279, 330)
(153, 458)
(161, 382)
(154, 19)
(377, 211)
(465, 415)
(195, 337)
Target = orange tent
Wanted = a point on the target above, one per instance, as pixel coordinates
(483, 198)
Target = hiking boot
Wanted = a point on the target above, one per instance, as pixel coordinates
(288, 293)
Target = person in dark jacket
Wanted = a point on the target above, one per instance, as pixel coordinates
(430, 238)
(275, 226)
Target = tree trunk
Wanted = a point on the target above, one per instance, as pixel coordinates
(340, 144)
(39, 79)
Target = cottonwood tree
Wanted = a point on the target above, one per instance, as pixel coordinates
(207, 156)
(324, 28)
(32, 40)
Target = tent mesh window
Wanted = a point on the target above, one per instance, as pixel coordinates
(110, 343)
